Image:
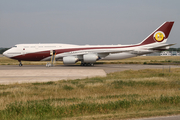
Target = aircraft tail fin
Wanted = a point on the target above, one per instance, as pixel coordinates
(160, 34)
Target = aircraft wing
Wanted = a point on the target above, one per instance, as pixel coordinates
(99, 52)
(114, 51)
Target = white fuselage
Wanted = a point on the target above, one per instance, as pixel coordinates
(106, 52)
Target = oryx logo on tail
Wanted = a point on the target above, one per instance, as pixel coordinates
(159, 36)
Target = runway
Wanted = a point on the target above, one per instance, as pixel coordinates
(10, 74)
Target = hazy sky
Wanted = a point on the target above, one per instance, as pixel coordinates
(85, 21)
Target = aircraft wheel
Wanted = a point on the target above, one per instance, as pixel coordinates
(48, 65)
(20, 64)
(87, 64)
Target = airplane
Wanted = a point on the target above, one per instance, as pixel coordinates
(89, 54)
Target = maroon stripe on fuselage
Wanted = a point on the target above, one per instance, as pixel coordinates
(37, 56)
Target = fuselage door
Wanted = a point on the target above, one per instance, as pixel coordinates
(23, 51)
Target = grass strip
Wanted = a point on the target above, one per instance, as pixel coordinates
(44, 109)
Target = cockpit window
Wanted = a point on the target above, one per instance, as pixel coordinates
(14, 46)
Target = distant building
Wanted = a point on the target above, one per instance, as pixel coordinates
(174, 53)
(165, 53)
(154, 54)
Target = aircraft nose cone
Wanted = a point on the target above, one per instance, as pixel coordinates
(5, 54)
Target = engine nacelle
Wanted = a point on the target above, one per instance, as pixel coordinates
(70, 60)
(90, 58)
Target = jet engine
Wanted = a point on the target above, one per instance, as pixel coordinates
(90, 58)
(70, 60)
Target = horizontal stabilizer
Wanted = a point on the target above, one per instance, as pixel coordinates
(161, 47)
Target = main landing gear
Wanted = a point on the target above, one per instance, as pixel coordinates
(20, 64)
(87, 64)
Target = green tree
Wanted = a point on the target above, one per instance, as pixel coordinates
(3, 49)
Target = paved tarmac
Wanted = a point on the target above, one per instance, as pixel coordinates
(38, 73)
(176, 117)
(14, 74)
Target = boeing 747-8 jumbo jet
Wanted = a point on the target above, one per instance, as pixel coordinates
(89, 54)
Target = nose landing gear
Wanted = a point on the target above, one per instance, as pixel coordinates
(20, 64)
